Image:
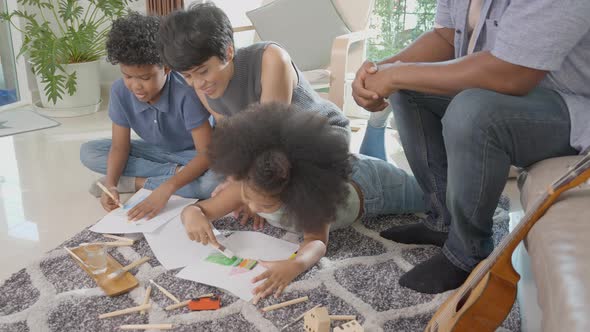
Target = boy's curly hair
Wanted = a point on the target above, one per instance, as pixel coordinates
(284, 152)
(132, 40)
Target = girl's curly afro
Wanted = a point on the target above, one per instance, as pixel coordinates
(288, 153)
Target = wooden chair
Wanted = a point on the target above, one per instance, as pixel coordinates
(347, 51)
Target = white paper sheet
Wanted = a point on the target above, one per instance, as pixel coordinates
(116, 220)
(173, 248)
(252, 245)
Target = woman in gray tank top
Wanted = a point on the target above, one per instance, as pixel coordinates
(295, 170)
(199, 44)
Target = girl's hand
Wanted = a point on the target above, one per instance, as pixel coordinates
(151, 205)
(245, 214)
(197, 227)
(278, 276)
(107, 202)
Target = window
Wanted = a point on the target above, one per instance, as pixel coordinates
(398, 22)
(13, 84)
(8, 81)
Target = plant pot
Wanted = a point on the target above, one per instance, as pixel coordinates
(87, 88)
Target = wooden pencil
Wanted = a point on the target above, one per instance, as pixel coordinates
(147, 326)
(342, 317)
(167, 293)
(74, 255)
(118, 238)
(146, 298)
(126, 311)
(285, 304)
(177, 305)
(106, 191)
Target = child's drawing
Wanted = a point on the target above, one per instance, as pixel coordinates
(240, 265)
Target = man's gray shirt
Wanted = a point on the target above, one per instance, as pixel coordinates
(548, 35)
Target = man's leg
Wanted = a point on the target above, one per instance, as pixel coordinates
(418, 117)
(485, 132)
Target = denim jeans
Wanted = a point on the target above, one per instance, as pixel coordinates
(150, 162)
(460, 150)
(386, 188)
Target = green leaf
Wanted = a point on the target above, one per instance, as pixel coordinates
(80, 38)
(70, 10)
(71, 84)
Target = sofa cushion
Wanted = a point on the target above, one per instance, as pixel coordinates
(559, 247)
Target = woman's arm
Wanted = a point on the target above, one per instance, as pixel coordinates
(278, 76)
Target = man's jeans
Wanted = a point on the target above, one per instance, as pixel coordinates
(150, 162)
(460, 150)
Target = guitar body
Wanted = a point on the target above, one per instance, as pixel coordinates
(481, 309)
(484, 300)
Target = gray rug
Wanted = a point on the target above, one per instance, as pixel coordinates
(358, 277)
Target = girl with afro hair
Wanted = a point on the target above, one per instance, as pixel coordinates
(292, 169)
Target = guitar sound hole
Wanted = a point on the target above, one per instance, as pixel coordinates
(462, 301)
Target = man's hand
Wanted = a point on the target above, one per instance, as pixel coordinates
(363, 96)
(107, 202)
(151, 205)
(197, 227)
(278, 275)
(381, 81)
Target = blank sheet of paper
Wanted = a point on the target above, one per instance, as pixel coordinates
(116, 220)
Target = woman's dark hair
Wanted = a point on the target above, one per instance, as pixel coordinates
(284, 152)
(132, 40)
(190, 37)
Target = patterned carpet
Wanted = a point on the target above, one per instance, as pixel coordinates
(358, 277)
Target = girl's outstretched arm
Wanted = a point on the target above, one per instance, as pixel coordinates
(197, 217)
(279, 274)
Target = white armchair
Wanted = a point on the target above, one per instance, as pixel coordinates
(325, 38)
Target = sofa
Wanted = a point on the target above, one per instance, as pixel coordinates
(558, 252)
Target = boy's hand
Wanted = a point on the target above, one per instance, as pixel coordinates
(278, 276)
(197, 227)
(151, 205)
(107, 202)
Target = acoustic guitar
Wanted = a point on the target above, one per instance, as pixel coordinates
(486, 297)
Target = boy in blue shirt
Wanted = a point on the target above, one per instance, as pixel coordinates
(164, 111)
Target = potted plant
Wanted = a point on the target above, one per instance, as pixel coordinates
(64, 41)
